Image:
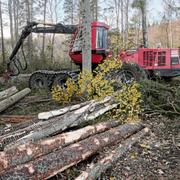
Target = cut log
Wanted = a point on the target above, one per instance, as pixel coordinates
(100, 167)
(8, 92)
(20, 154)
(58, 161)
(10, 128)
(16, 118)
(60, 123)
(13, 99)
(54, 113)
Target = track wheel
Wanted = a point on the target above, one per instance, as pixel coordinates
(60, 80)
(38, 81)
(127, 73)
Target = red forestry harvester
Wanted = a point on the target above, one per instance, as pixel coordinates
(45, 78)
(165, 62)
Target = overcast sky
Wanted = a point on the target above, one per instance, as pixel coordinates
(155, 8)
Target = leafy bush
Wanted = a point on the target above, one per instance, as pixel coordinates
(97, 86)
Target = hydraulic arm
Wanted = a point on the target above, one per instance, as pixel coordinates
(34, 27)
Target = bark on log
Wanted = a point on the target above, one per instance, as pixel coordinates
(59, 124)
(13, 99)
(15, 127)
(8, 92)
(16, 118)
(55, 162)
(100, 167)
(21, 155)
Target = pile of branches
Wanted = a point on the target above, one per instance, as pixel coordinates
(160, 98)
(42, 149)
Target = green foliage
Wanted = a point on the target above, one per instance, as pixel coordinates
(129, 98)
(97, 86)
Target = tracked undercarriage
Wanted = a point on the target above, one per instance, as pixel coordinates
(47, 79)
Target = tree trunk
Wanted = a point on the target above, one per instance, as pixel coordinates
(2, 35)
(11, 22)
(126, 23)
(58, 124)
(86, 49)
(52, 48)
(144, 25)
(43, 43)
(122, 21)
(13, 99)
(8, 92)
(49, 165)
(15, 14)
(20, 155)
(29, 19)
(101, 166)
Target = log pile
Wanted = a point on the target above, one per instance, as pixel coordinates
(42, 149)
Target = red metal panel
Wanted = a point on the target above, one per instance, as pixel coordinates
(77, 58)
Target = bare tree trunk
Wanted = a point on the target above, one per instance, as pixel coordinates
(15, 15)
(19, 155)
(11, 22)
(171, 33)
(100, 167)
(144, 24)
(2, 35)
(86, 49)
(52, 48)
(44, 19)
(47, 166)
(126, 23)
(122, 21)
(94, 10)
(29, 19)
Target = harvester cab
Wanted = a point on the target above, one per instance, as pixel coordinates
(99, 41)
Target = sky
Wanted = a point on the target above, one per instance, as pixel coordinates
(154, 9)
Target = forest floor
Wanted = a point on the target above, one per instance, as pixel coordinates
(155, 157)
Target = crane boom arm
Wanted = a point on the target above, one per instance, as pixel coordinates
(32, 27)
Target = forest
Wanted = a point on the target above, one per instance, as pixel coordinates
(123, 17)
(89, 89)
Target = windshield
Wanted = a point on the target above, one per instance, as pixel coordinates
(77, 46)
(101, 38)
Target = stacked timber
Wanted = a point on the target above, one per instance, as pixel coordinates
(43, 149)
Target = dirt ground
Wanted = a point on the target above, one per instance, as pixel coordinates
(155, 157)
